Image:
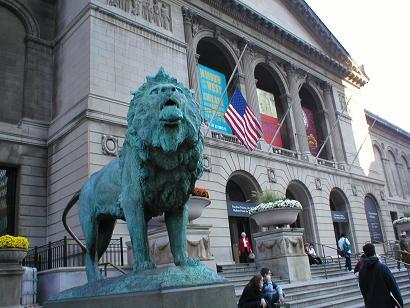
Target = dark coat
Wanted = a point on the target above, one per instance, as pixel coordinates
(376, 282)
(250, 298)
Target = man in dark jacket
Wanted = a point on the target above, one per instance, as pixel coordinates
(376, 282)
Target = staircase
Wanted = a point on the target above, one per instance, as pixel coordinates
(241, 273)
(339, 290)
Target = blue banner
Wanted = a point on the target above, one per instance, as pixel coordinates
(212, 85)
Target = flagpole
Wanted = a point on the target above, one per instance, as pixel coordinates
(226, 89)
(331, 130)
(368, 133)
(280, 126)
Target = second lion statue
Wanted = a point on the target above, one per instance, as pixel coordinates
(155, 173)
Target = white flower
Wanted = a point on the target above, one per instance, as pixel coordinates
(401, 220)
(285, 203)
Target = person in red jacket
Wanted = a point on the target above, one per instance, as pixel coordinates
(244, 248)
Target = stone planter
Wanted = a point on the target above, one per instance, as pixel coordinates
(196, 206)
(12, 255)
(403, 227)
(276, 216)
(11, 273)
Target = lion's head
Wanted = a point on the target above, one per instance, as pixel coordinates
(163, 114)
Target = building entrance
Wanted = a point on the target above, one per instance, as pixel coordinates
(240, 199)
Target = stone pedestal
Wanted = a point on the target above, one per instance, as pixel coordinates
(198, 244)
(282, 251)
(10, 284)
(217, 295)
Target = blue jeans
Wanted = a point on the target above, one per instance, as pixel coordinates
(348, 263)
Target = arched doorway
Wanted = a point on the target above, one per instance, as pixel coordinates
(340, 215)
(240, 198)
(215, 66)
(273, 106)
(373, 220)
(298, 191)
(315, 123)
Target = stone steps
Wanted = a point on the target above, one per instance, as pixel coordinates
(339, 290)
(342, 292)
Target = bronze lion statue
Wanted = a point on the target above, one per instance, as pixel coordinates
(155, 173)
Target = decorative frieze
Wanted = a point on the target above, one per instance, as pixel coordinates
(154, 11)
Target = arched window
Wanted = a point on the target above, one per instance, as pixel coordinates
(272, 107)
(315, 124)
(405, 176)
(396, 190)
(12, 59)
(373, 220)
(214, 70)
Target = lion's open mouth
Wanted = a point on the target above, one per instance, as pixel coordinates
(170, 113)
(169, 102)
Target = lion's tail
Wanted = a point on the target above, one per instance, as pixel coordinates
(70, 204)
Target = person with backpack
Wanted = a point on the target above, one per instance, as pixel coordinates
(377, 284)
(344, 248)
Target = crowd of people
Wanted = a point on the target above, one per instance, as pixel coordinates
(376, 282)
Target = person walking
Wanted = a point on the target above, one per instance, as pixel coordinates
(404, 250)
(377, 284)
(344, 247)
(244, 248)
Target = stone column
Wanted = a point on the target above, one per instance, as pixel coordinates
(289, 122)
(250, 83)
(192, 57)
(297, 112)
(336, 136)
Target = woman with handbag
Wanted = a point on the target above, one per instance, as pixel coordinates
(244, 248)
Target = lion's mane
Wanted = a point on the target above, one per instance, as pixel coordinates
(169, 159)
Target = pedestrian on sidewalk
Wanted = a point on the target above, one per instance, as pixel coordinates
(377, 284)
(252, 294)
(344, 248)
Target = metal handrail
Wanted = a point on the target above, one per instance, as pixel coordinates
(406, 265)
(105, 264)
(324, 255)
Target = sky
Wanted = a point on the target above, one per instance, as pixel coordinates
(376, 33)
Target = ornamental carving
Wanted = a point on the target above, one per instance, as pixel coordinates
(109, 145)
(160, 250)
(207, 163)
(154, 11)
(272, 175)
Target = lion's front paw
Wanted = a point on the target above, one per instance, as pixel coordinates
(144, 265)
(190, 261)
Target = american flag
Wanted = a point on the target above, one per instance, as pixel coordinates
(242, 121)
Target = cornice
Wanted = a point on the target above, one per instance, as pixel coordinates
(253, 19)
(387, 125)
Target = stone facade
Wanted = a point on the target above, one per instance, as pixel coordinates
(64, 109)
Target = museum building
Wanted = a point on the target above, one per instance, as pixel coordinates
(67, 69)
